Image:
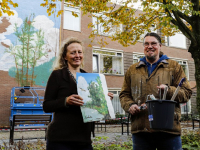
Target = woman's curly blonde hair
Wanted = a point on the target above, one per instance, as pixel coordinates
(60, 60)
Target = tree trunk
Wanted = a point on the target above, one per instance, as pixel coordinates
(195, 55)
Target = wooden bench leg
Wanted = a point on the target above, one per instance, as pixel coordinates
(128, 129)
(122, 128)
(11, 133)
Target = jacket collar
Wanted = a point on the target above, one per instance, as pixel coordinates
(66, 74)
(163, 62)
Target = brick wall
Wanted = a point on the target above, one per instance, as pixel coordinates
(6, 83)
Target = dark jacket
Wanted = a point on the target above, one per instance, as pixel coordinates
(67, 124)
(137, 85)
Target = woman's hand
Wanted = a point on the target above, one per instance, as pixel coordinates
(110, 95)
(74, 100)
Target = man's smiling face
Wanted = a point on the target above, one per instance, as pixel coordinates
(152, 49)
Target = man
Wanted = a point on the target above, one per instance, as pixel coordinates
(154, 72)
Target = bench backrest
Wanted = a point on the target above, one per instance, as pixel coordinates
(31, 119)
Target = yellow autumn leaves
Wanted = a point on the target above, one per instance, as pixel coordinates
(5, 8)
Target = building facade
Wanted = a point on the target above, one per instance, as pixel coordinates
(112, 60)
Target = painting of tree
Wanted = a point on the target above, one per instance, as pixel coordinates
(98, 98)
(27, 51)
(93, 89)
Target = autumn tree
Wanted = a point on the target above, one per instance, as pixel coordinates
(5, 7)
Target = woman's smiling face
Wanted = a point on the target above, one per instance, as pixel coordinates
(74, 55)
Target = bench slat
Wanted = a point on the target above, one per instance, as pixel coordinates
(17, 123)
(31, 127)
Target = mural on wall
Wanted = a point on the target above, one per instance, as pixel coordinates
(29, 42)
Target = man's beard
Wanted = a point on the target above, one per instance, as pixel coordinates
(151, 58)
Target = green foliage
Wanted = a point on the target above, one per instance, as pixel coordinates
(102, 143)
(98, 98)
(99, 143)
(185, 117)
(21, 145)
(191, 141)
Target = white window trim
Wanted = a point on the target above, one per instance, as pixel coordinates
(189, 105)
(109, 50)
(167, 42)
(79, 15)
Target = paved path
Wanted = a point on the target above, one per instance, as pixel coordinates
(112, 131)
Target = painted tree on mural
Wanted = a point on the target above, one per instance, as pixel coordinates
(27, 51)
(170, 16)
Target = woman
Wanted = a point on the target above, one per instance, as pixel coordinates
(67, 130)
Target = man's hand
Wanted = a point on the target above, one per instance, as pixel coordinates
(134, 109)
(74, 100)
(161, 89)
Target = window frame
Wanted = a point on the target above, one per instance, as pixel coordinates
(189, 105)
(167, 42)
(77, 12)
(99, 60)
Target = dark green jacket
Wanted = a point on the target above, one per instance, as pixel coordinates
(137, 85)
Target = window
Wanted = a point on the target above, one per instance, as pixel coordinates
(185, 67)
(136, 57)
(186, 107)
(178, 40)
(108, 62)
(71, 22)
(100, 28)
(116, 101)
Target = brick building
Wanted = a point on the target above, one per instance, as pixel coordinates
(120, 58)
(175, 47)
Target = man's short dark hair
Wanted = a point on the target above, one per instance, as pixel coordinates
(154, 35)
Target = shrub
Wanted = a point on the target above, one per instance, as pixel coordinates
(191, 140)
(102, 143)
